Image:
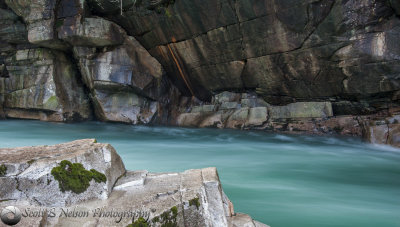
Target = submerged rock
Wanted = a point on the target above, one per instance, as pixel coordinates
(191, 198)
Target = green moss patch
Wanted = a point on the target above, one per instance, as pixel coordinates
(140, 222)
(3, 170)
(194, 202)
(168, 218)
(74, 177)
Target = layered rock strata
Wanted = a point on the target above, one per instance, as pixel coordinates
(248, 111)
(288, 50)
(163, 62)
(43, 84)
(191, 198)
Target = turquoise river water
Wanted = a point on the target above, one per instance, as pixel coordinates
(280, 180)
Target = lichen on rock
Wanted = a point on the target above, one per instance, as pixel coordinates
(74, 177)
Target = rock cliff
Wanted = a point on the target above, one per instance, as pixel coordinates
(29, 182)
(315, 66)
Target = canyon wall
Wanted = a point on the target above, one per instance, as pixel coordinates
(314, 66)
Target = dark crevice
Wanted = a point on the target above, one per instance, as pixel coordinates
(79, 77)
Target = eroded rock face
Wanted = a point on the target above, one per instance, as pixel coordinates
(125, 82)
(289, 50)
(12, 30)
(43, 84)
(127, 65)
(248, 111)
(302, 66)
(40, 17)
(190, 198)
(29, 169)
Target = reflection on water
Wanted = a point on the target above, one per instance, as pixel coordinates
(281, 180)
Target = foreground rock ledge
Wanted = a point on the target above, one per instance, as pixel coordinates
(195, 196)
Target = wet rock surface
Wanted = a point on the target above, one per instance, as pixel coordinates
(296, 66)
(190, 198)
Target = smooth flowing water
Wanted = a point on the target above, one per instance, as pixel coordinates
(280, 180)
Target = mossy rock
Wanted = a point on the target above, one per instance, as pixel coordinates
(3, 170)
(74, 177)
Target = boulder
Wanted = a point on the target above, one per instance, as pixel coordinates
(238, 119)
(384, 130)
(123, 106)
(43, 84)
(203, 108)
(128, 65)
(378, 133)
(225, 97)
(214, 121)
(394, 135)
(190, 119)
(191, 198)
(125, 82)
(257, 116)
(229, 105)
(30, 176)
(302, 110)
(342, 125)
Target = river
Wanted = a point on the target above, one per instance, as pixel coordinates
(280, 180)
